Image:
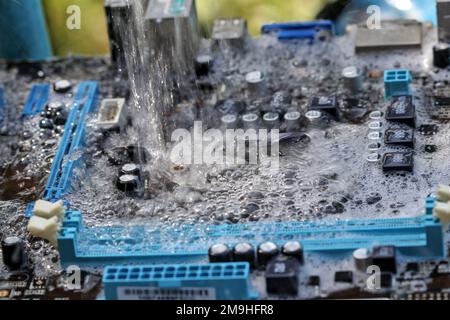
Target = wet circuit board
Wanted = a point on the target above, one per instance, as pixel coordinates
(336, 166)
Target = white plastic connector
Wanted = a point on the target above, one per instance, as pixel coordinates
(44, 228)
(46, 209)
(442, 211)
(443, 193)
(112, 114)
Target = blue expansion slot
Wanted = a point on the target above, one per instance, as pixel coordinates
(36, 100)
(298, 30)
(59, 180)
(218, 281)
(421, 237)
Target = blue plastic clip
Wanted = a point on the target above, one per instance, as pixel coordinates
(397, 82)
(298, 30)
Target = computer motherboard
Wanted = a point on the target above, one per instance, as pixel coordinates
(352, 202)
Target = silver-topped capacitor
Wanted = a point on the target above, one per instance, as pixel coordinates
(219, 253)
(362, 258)
(353, 80)
(229, 121)
(271, 120)
(266, 251)
(244, 252)
(292, 121)
(293, 249)
(256, 83)
(250, 121)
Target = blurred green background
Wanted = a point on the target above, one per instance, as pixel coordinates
(92, 38)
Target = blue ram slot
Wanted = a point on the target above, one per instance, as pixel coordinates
(36, 100)
(298, 30)
(420, 237)
(218, 281)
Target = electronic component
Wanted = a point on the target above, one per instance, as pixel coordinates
(428, 129)
(401, 109)
(266, 251)
(353, 80)
(292, 121)
(250, 121)
(399, 137)
(282, 276)
(203, 64)
(221, 281)
(255, 83)
(128, 183)
(229, 121)
(397, 83)
(112, 115)
(362, 258)
(385, 258)
(229, 32)
(398, 161)
(441, 55)
(271, 120)
(293, 249)
(13, 252)
(439, 103)
(391, 34)
(443, 20)
(244, 252)
(319, 29)
(324, 104)
(386, 279)
(219, 253)
(62, 86)
(343, 276)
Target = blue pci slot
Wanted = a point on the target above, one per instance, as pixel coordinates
(36, 100)
(420, 237)
(218, 281)
(298, 30)
(59, 180)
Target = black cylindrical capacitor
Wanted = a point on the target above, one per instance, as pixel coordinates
(266, 251)
(250, 121)
(219, 253)
(292, 121)
(229, 121)
(271, 120)
(441, 55)
(203, 64)
(127, 183)
(13, 253)
(62, 86)
(244, 252)
(293, 249)
(131, 168)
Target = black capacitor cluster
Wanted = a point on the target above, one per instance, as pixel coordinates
(281, 265)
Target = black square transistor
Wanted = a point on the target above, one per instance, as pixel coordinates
(398, 161)
(384, 257)
(402, 110)
(399, 137)
(327, 104)
(343, 276)
(282, 275)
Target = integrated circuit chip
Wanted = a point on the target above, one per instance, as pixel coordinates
(402, 110)
(398, 161)
(327, 104)
(399, 137)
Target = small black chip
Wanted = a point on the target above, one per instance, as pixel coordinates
(326, 104)
(430, 148)
(398, 161)
(402, 110)
(399, 137)
(282, 275)
(314, 281)
(343, 276)
(428, 129)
